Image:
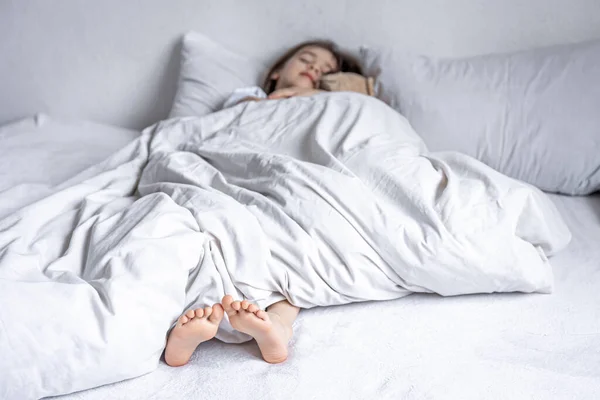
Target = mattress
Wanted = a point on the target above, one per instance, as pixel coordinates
(420, 347)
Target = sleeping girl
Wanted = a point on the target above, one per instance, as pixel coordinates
(296, 73)
(350, 207)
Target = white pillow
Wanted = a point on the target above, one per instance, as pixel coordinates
(209, 74)
(532, 115)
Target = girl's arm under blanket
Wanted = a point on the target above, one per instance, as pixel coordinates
(253, 93)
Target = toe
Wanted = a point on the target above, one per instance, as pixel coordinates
(183, 319)
(226, 302)
(262, 315)
(245, 304)
(199, 313)
(207, 311)
(236, 305)
(217, 314)
(253, 308)
(190, 314)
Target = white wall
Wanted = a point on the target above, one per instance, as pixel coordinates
(116, 61)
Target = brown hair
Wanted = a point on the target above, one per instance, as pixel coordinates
(345, 62)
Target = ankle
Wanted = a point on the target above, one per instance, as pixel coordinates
(279, 320)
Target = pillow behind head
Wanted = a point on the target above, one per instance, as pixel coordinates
(532, 115)
(209, 73)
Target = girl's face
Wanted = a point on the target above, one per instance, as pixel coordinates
(305, 68)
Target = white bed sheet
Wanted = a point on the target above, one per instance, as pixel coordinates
(39, 152)
(421, 347)
(510, 346)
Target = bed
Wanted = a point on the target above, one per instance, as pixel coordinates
(423, 346)
(420, 347)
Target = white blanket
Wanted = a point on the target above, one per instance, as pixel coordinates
(323, 200)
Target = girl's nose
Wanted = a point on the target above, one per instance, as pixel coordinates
(317, 70)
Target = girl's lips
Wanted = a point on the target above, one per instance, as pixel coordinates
(309, 76)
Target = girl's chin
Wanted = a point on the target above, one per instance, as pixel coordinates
(305, 85)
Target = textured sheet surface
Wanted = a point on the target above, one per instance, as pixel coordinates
(108, 304)
(419, 347)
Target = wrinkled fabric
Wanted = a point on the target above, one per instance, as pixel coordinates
(320, 200)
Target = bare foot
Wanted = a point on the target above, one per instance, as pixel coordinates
(192, 328)
(266, 328)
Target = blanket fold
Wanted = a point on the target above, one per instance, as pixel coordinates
(321, 200)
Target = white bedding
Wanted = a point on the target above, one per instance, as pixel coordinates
(40, 152)
(499, 346)
(135, 236)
